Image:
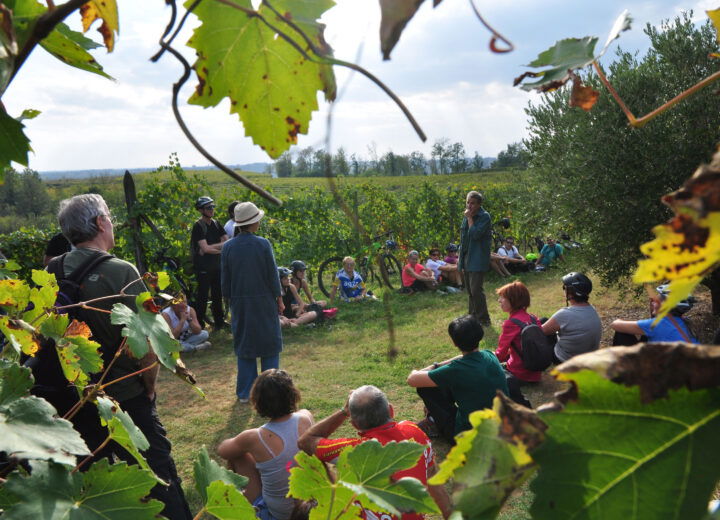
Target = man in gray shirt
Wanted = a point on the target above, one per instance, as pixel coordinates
(578, 325)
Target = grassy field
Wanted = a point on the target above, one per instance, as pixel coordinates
(327, 362)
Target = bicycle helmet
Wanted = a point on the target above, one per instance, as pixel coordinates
(579, 283)
(531, 257)
(683, 306)
(284, 272)
(504, 222)
(451, 248)
(391, 244)
(297, 265)
(203, 201)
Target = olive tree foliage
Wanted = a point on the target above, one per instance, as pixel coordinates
(602, 178)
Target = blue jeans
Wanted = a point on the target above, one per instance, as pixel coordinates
(247, 372)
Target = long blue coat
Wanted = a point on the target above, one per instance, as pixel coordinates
(475, 243)
(250, 281)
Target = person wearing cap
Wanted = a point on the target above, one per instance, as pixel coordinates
(672, 327)
(207, 238)
(299, 280)
(577, 325)
(251, 284)
(474, 260)
(295, 313)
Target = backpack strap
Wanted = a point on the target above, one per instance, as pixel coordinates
(677, 326)
(522, 325)
(81, 271)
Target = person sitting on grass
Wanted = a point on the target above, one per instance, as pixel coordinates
(415, 276)
(298, 279)
(295, 313)
(512, 259)
(454, 388)
(451, 256)
(550, 252)
(263, 454)
(672, 327)
(185, 327)
(498, 265)
(351, 285)
(514, 298)
(442, 271)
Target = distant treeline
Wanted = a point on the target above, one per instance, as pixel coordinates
(445, 157)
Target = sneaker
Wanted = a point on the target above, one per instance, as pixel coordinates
(243, 400)
(428, 426)
(452, 290)
(203, 346)
(440, 292)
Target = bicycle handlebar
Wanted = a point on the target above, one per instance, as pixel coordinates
(386, 234)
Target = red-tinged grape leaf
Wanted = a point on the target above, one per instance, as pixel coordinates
(225, 502)
(107, 11)
(694, 367)
(608, 455)
(20, 335)
(687, 248)
(70, 47)
(123, 430)
(491, 460)
(143, 327)
(271, 87)
(395, 16)
(207, 471)
(714, 16)
(14, 295)
(116, 491)
(78, 328)
(583, 96)
(78, 355)
(29, 428)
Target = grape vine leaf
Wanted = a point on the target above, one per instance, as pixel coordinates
(363, 474)
(122, 430)
(42, 297)
(568, 55)
(207, 470)
(714, 16)
(491, 460)
(116, 491)
(14, 144)
(146, 326)
(608, 455)
(8, 268)
(395, 14)
(20, 335)
(14, 295)
(105, 10)
(686, 248)
(271, 86)
(28, 426)
(78, 355)
(8, 47)
(71, 48)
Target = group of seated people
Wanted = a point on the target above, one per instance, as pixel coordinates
(296, 312)
(438, 274)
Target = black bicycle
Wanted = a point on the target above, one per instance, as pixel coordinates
(388, 274)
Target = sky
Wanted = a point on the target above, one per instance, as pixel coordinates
(441, 68)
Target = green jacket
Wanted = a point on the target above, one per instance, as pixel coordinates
(475, 243)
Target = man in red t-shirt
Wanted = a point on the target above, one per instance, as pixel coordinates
(372, 416)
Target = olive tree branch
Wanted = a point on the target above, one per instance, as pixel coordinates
(642, 121)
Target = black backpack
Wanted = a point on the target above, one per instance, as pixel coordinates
(50, 381)
(536, 348)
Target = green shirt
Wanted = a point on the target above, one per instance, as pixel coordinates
(473, 380)
(108, 278)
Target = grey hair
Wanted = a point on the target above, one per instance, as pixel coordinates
(475, 195)
(368, 407)
(77, 217)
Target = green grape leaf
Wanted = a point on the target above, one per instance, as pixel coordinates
(42, 298)
(491, 460)
(20, 335)
(14, 295)
(30, 430)
(207, 471)
(271, 87)
(122, 430)
(163, 280)
(15, 382)
(70, 47)
(687, 247)
(29, 113)
(14, 144)
(8, 268)
(310, 480)
(116, 491)
(367, 471)
(225, 502)
(8, 47)
(146, 325)
(608, 455)
(78, 355)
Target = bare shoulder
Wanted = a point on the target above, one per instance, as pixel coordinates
(305, 420)
(234, 446)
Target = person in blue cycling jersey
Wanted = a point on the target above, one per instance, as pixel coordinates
(351, 285)
(673, 327)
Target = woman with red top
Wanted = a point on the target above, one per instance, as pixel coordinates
(514, 298)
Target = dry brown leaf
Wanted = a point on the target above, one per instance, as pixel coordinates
(582, 96)
(78, 328)
(105, 10)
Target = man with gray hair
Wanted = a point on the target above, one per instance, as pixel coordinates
(474, 261)
(371, 415)
(86, 222)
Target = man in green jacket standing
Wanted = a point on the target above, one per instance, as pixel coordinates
(474, 261)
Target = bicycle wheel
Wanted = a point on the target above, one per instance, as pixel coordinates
(326, 274)
(391, 271)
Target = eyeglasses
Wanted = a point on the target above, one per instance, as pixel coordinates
(209, 206)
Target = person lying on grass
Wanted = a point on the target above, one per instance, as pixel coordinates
(372, 416)
(263, 454)
(453, 388)
(416, 276)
